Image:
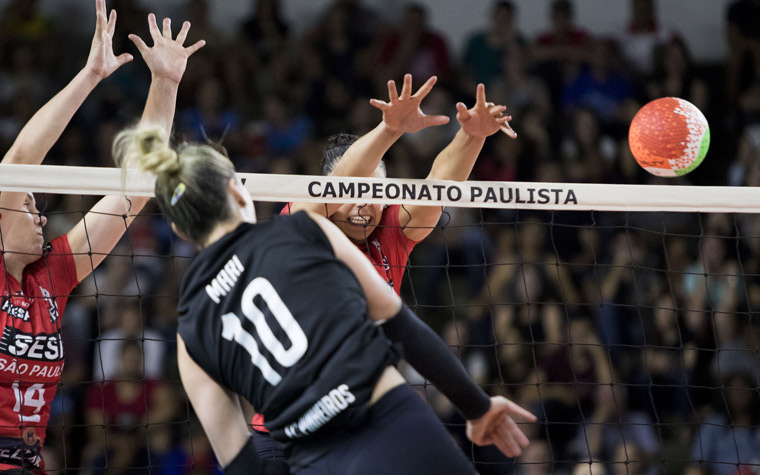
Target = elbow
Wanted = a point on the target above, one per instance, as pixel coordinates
(386, 306)
(18, 154)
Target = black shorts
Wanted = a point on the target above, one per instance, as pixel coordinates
(402, 436)
(269, 448)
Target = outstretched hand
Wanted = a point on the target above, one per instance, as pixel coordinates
(485, 118)
(102, 61)
(497, 427)
(402, 113)
(168, 57)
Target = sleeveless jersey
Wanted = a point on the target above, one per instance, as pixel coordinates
(270, 313)
(31, 351)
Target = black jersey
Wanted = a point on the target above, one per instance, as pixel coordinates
(270, 313)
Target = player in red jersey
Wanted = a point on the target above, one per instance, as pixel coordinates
(387, 234)
(36, 279)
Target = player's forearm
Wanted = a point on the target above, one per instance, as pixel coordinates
(455, 162)
(364, 155)
(161, 103)
(45, 127)
(427, 354)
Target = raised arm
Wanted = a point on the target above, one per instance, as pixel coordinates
(402, 114)
(489, 420)
(45, 127)
(455, 162)
(97, 234)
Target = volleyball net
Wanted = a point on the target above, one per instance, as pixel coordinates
(623, 316)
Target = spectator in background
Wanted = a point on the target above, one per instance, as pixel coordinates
(728, 441)
(516, 85)
(122, 409)
(674, 76)
(211, 117)
(747, 154)
(642, 37)
(587, 153)
(287, 132)
(22, 25)
(743, 29)
(485, 50)
(600, 86)
(131, 328)
(415, 48)
(560, 51)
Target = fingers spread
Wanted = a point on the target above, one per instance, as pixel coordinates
(507, 129)
(406, 90)
(382, 105)
(124, 58)
(100, 15)
(462, 114)
(426, 88)
(141, 46)
(480, 95)
(436, 120)
(153, 27)
(493, 110)
(192, 49)
(182, 36)
(392, 91)
(111, 28)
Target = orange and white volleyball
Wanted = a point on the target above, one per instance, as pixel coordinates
(669, 137)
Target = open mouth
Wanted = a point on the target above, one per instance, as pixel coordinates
(359, 220)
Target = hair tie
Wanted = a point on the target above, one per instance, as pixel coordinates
(178, 192)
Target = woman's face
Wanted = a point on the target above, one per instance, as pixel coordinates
(25, 237)
(358, 221)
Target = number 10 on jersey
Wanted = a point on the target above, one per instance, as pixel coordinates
(232, 330)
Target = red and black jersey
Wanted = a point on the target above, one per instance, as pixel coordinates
(31, 351)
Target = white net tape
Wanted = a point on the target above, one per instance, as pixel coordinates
(470, 194)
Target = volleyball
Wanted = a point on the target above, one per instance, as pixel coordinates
(669, 137)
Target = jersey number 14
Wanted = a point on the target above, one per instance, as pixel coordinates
(232, 330)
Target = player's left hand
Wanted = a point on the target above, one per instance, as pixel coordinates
(485, 118)
(102, 61)
(168, 57)
(497, 427)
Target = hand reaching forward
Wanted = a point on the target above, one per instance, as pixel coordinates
(485, 118)
(168, 57)
(497, 427)
(102, 62)
(403, 113)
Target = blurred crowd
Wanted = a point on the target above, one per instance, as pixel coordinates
(630, 335)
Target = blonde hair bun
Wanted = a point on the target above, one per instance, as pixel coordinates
(147, 148)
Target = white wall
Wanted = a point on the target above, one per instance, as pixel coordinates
(700, 21)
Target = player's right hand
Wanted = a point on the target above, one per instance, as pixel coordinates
(403, 113)
(102, 61)
(497, 427)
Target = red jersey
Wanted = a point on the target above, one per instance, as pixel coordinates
(31, 351)
(122, 414)
(388, 250)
